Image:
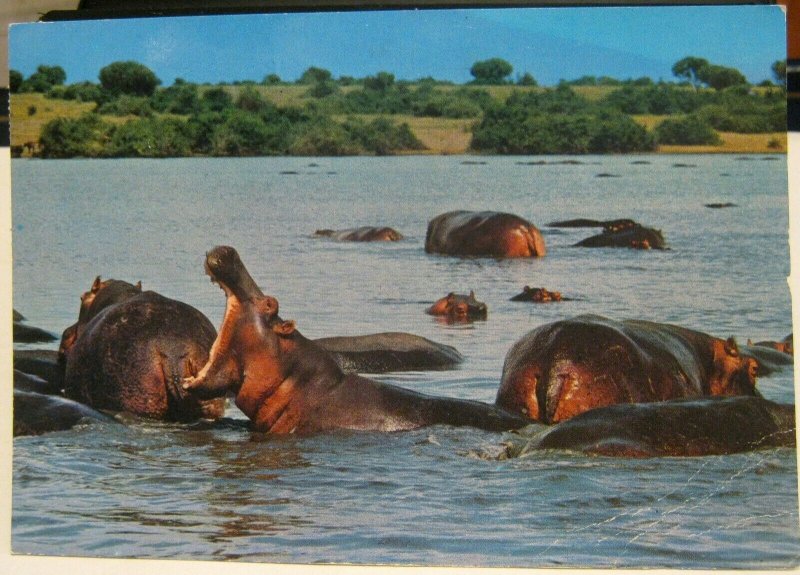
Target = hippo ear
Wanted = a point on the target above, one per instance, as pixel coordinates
(284, 327)
(96, 284)
(731, 348)
(138, 285)
(471, 295)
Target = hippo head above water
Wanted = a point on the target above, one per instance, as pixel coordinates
(101, 295)
(459, 308)
(286, 383)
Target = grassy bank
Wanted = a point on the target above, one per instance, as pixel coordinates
(31, 111)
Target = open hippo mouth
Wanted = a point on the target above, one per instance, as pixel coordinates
(224, 266)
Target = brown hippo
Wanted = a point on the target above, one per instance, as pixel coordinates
(391, 351)
(681, 427)
(286, 383)
(362, 234)
(608, 225)
(459, 308)
(786, 345)
(538, 295)
(42, 363)
(101, 295)
(636, 237)
(130, 349)
(562, 369)
(488, 234)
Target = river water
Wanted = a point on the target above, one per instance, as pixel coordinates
(433, 496)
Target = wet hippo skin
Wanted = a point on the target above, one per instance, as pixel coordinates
(286, 383)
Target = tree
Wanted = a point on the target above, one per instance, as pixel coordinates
(492, 71)
(689, 69)
(271, 80)
(527, 79)
(14, 81)
(381, 82)
(779, 72)
(129, 78)
(44, 79)
(720, 77)
(314, 75)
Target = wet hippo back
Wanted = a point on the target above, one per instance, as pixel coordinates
(708, 426)
(560, 370)
(488, 234)
(132, 354)
(392, 351)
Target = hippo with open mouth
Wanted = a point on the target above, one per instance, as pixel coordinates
(286, 383)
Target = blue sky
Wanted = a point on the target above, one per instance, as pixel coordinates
(550, 43)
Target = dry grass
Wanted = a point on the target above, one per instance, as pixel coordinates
(26, 127)
(735, 144)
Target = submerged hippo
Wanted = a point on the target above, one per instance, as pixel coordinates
(392, 351)
(24, 333)
(538, 295)
(786, 345)
(489, 234)
(608, 225)
(565, 368)
(133, 350)
(636, 237)
(37, 413)
(686, 427)
(362, 234)
(286, 383)
(42, 363)
(459, 308)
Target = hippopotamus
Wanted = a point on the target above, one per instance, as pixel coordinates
(483, 234)
(636, 236)
(362, 234)
(24, 333)
(562, 369)
(538, 295)
(392, 351)
(681, 427)
(100, 295)
(285, 383)
(130, 349)
(37, 413)
(42, 363)
(459, 308)
(769, 359)
(786, 345)
(30, 382)
(608, 225)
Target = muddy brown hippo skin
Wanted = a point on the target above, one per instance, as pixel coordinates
(459, 308)
(786, 345)
(390, 351)
(132, 352)
(285, 383)
(685, 427)
(562, 369)
(635, 237)
(483, 234)
(37, 413)
(101, 295)
(538, 295)
(362, 234)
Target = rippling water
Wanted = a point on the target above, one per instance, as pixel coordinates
(432, 496)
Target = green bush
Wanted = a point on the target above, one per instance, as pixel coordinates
(180, 98)
(557, 122)
(74, 137)
(127, 106)
(81, 92)
(687, 131)
(323, 137)
(246, 134)
(149, 138)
